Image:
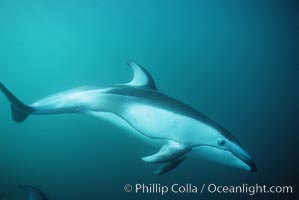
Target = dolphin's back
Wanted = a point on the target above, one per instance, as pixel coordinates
(155, 99)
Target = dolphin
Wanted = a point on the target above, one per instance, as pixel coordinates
(34, 193)
(148, 114)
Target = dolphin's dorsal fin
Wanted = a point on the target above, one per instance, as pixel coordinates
(34, 193)
(141, 77)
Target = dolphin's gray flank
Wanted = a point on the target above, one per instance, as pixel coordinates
(182, 130)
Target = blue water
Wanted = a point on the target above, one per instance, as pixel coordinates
(235, 61)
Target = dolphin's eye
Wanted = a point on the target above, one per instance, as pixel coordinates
(221, 142)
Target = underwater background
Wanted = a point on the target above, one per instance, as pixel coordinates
(235, 61)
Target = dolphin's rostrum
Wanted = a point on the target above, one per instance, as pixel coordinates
(148, 113)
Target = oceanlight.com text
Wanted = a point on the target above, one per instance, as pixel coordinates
(188, 188)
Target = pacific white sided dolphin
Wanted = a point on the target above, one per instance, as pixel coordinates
(34, 193)
(148, 113)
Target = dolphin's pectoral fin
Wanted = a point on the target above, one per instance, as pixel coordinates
(141, 77)
(167, 166)
(168, 153)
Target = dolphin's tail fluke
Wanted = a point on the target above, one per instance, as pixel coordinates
(19, 110)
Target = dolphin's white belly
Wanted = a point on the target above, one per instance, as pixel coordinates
(123, 124)
(149, 119)
(158, 123)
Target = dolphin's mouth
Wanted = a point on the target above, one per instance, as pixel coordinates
(246, 160)
(241, 159)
